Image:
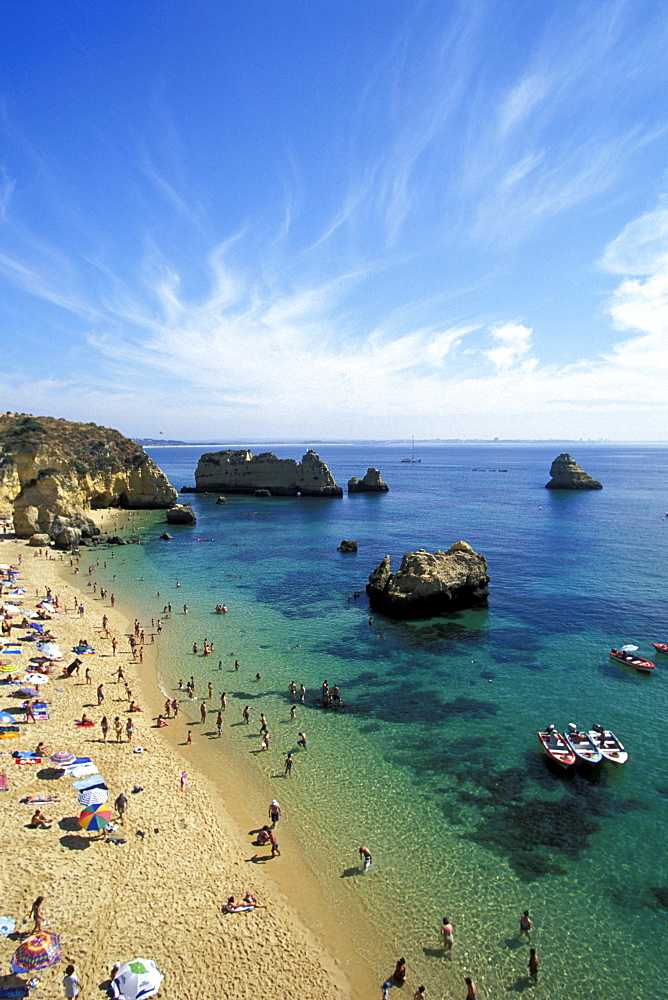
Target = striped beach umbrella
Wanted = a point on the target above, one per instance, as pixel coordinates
(37, 952)
(95, 818)
(92, 797)
(63, 757)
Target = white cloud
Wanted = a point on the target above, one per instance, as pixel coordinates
(513, 344)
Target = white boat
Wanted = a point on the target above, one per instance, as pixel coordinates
(582, 745)
(611, 748)
(412, 457)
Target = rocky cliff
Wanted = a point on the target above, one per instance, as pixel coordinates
(53, 471)
(372, 483)
(243, 472)
(427, 584)
(567, 475)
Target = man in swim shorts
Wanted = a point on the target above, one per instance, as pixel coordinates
(274, 812)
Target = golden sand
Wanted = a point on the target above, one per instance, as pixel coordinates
(159, 894)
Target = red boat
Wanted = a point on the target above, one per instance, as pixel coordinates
(556, 747)
(644, 666)
(661, 647)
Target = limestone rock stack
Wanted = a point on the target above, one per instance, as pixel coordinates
(243, 472)
(427, 584)
(567, 475)
(372, 483)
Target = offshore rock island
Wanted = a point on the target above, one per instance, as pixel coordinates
(429, 584)
(54, 472)
(372, 483)
(243, 472)
(567, 475)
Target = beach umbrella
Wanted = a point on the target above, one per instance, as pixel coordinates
(7, 926)
(36, 626)
(26, 692)
(629, 649)
(12, 608)
(48, 649)
(63, 757)
(136, 979)
(6, 719)
(35, 678)
(92, 797)
(36, 952)
(95, 818)
(17, 592)
(4, 566)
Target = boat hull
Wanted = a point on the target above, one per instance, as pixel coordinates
(637, 662)
(584, 749)
(557, 749)
(610, 747)
(661, 647)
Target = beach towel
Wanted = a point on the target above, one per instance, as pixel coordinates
(4, 784)
(84, 725)
(25, 753)
(27, 760)
(41, 714)
(81, 770)
(94, 781)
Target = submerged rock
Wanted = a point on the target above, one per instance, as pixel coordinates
(567, 475)
(427, 584)
(372, 483)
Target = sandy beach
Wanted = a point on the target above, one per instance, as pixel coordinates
(159, 892)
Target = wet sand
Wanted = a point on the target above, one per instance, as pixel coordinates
(159, 894)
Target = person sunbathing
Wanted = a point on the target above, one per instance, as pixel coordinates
(40, 750)
(39, 821)
(161, 722)
(251, 900)
(85, 721)
(134, 707)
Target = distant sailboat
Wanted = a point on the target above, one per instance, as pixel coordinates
(412, 457)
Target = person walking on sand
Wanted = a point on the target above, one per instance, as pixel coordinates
(219, 723)
(118, 727)
(533, 964)
(36, 915)
(448, 936)
(202, 711)
(71, 984)
(120, 805)
(104, 726)
(471, 988)
(100, 694)
(175, 707)
(274, 844)
(525, 925)
(129, 730)
(184, 778)
(189, 738)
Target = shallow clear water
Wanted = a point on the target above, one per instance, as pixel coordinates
(434, 761)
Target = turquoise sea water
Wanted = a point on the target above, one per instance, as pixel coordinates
(433, 761)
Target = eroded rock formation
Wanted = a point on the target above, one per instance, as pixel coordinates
(53, 472)
(567, 475)
(243, 472)
(372, 483)
(348, 545)
(181, 514)
(427, 584)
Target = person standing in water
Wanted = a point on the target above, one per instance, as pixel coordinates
(288, 765)
(525, 925)
(533, 964)
(365, 858)
(448, 935)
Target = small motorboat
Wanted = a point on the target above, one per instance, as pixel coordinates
(622, 656)
(556, 747)
(606, 741)
(582, 745)
(661, 647)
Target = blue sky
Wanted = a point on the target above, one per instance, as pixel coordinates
(279, 218)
